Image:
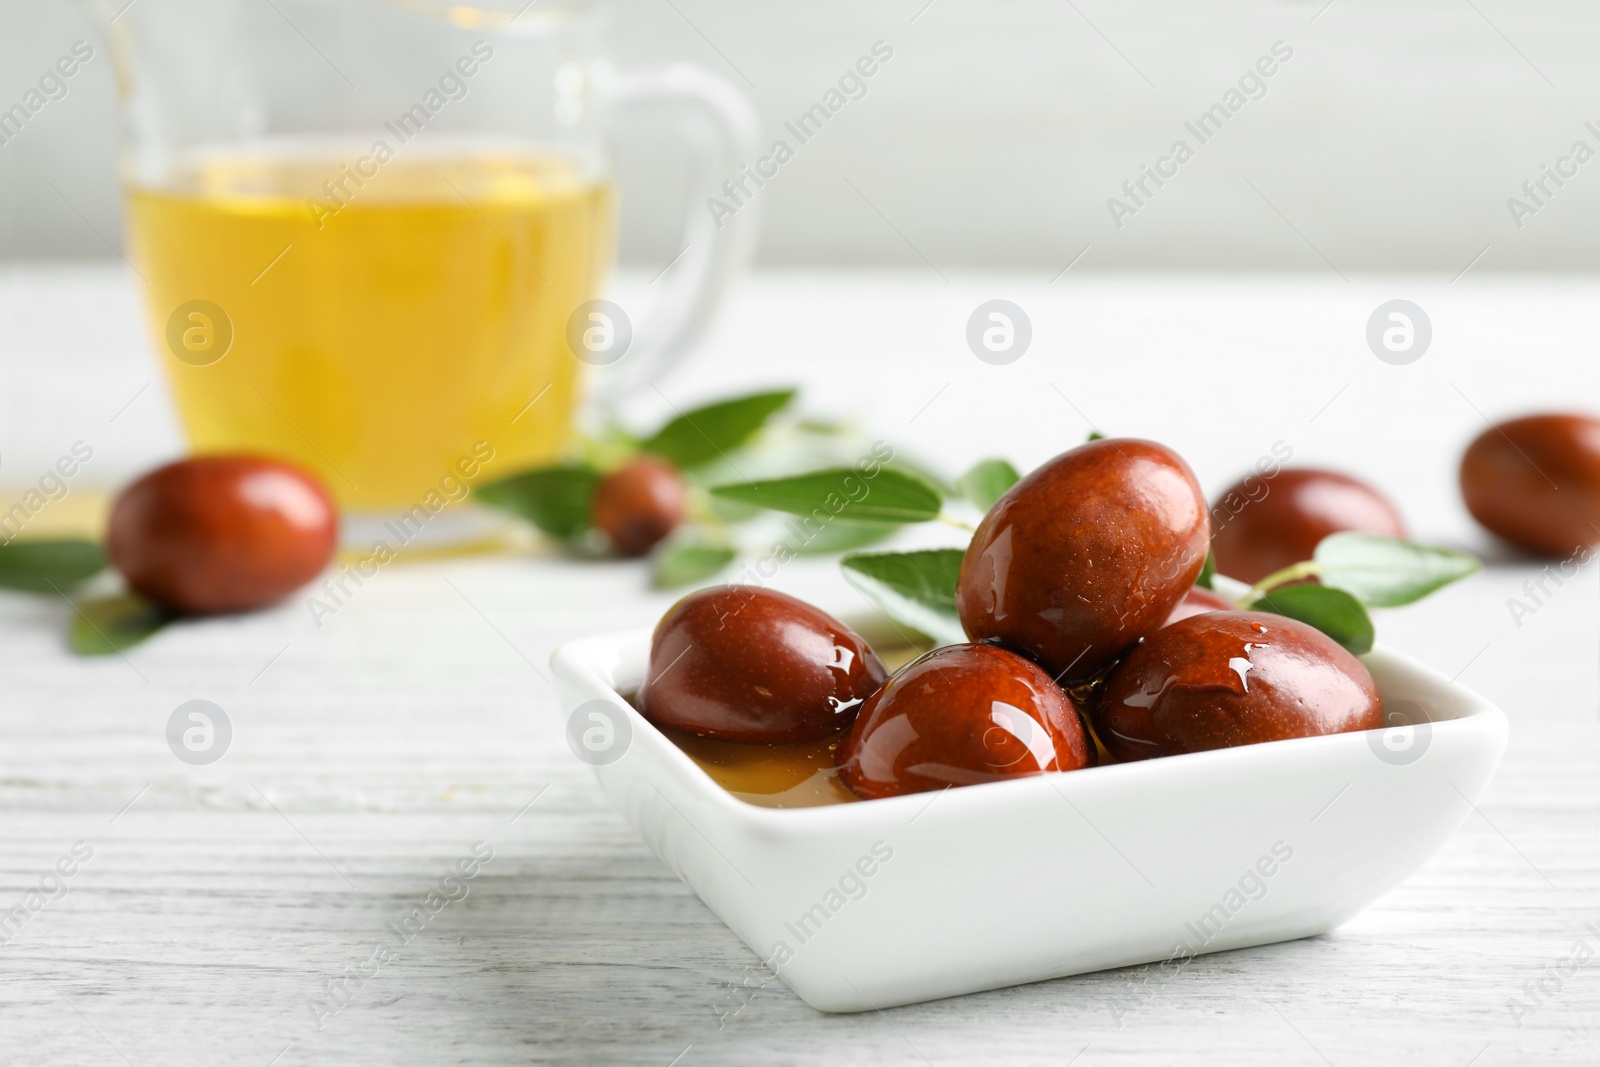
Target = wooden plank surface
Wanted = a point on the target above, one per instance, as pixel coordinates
(369, 756)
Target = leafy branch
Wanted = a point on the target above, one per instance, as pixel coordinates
(558, 499)
(1355, 571)
(842, 508)
(61, 566)
(1349, 572)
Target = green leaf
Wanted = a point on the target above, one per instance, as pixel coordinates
(1333, 611)
(555, 499)
(987, 482)
(50, 566)
(705, 433)
(823, 427)
(105, 625)
(1386, 571)
(840, 537)
(683, 563)
(1208, 571)
(847, 493)
(731, 511)
(920, 470)
(914, 588)
(1095, 435)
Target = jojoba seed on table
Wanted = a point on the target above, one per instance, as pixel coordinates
(1265, 523)
(222, 533)
(742, 663)
(639, 504)
(1535, 481)
(1085, 555)
(962, 715)
(1232, 678)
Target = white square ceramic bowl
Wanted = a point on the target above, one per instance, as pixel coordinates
(886, 902)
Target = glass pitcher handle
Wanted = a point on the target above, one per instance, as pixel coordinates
(720, 127)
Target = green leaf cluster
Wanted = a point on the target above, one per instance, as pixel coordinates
(557, 499)
(1355, 571)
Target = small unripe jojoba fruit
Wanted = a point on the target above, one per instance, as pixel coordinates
(637, 505)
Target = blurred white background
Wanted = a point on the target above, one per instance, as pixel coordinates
(1391, 141)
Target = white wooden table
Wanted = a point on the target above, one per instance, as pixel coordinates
(367, 757)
